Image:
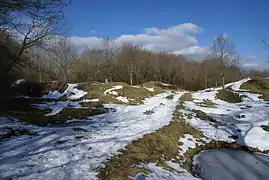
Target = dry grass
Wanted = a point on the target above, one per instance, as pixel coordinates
(207, 103)
(229, 96)
(156, 147)
(136, 94)
(186, 97)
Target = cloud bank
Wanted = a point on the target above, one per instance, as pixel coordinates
(178, 39)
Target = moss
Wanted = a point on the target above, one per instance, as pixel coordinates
(259, 86)
(229, 96)
(207, 103)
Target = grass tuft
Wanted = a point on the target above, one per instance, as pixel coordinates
(186, 97)
(207, 103)
(229, 96)
(204, 116)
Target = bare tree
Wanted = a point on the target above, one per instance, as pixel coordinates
(223, 51)
(64, 51)
(33, 22)
(110, 57)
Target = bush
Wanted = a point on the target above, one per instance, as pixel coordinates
(229, 96)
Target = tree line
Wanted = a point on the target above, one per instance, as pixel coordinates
(33, 46)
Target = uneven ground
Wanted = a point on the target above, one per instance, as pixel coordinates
(118, 131)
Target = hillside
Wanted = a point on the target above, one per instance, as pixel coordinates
(116, 131)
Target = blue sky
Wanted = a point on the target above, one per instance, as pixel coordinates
(245, 21)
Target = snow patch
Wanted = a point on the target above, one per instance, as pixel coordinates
(19, 81)
(71, 92)
(189, 142)
(56, 153)
(58, 106)
(230, 121)
(157, 172)
(111, 90)
(150, 89)
(123, 99)
(166, 84)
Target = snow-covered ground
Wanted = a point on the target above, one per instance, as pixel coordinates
(243, 119)
(58, 106)
(71, 92)
(62, 153)
(65, 153)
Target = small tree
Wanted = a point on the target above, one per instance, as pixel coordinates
(223, 51)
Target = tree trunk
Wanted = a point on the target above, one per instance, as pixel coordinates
(65, 74)
(223, 80)
(205, 80)
(131, 78)
(137, 79)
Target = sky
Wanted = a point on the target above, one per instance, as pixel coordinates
(185, 27)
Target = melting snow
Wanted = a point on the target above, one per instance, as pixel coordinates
(71, 92)
(189, 142)
(176, 173)
(61, 153)
(111, 90)
(166, 84)
(123, 99)
(247, 128)
(150, 89)
(58, 106)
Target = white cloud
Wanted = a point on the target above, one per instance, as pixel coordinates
(255, 66)
(179, 39)
(193, 52)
